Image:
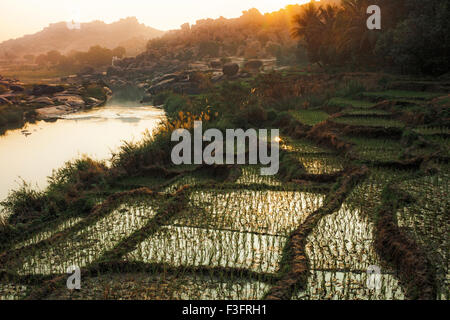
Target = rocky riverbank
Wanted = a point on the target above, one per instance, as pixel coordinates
(180, 77)
(21, 103)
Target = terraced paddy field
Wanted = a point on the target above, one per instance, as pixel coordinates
(361, 188)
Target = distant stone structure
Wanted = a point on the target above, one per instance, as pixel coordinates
(114, 60)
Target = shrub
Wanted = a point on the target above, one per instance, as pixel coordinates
(256, 115)
(351, 88)
(81, 174)
(96, 92)
(23, 205)
(161, 97)
(175, 103)
(3, 89)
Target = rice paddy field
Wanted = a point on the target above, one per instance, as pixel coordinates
(381, 201)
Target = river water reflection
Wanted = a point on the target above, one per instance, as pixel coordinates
(33, 152)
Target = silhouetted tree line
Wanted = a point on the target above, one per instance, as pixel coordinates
(95, 57)
(253, 35)
(414, 35)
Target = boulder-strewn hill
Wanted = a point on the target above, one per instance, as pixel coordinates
(252, 35)
(126, 32)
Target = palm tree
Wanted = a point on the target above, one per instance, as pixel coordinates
(316, 26)
(328, 18)
(307, 26)
(355, 36)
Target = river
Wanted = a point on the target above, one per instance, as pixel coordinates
(31, 154)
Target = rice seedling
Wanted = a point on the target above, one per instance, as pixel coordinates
(251, 175)
(309, 117)
(427, 130)
(301, 146)
(11, 291)
(145, 286)
(426, 221)
(270, 212)
(188, 179)
(50, 231)
(190, 246)
(398, 94)
(376, 148)
(367, 112)
(343, 102)
(348, 285)
(370, 122)
(342, 241)
(323, 164)
(84, 246)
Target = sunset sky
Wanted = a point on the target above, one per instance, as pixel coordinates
(20, 17)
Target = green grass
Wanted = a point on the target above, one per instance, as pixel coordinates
(11, 114)
(31, 76)
(367, 112)
(301, 146)
(310, 117)
(343, 102)
(444, 101)
(370, 122)
(321, 164)
(376, 149)
(432, 130)
(398, 94)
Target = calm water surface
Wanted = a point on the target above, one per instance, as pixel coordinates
(31, 153)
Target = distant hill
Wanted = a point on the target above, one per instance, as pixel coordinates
(127, 32)
(253, 35)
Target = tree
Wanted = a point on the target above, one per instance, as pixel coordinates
(209, 48)
(316, 26)
(98, 56)
(53, 57)
(354, 38)
(307, 27)
(41, 60)
(420, 41)
(119, 52)
(29, 58)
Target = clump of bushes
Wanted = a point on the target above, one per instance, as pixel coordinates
(96, 92)
(10, 115)
(23, 205)
(350, 89)
(3, 89)
(67, 191)
(290, 167)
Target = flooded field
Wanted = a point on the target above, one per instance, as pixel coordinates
(31, 153)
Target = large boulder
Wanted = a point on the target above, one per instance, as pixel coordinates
(52, 112)
(42, 100)
(114, 71)
(91, 101)
(73, 101)
(147, 98)
(4, 101)
(16, 88)
(87, 70)
(43, 89)
(253, 65)
(216, 64)
(230, 69)
(162, 86)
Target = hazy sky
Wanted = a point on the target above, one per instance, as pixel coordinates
(20, 17)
